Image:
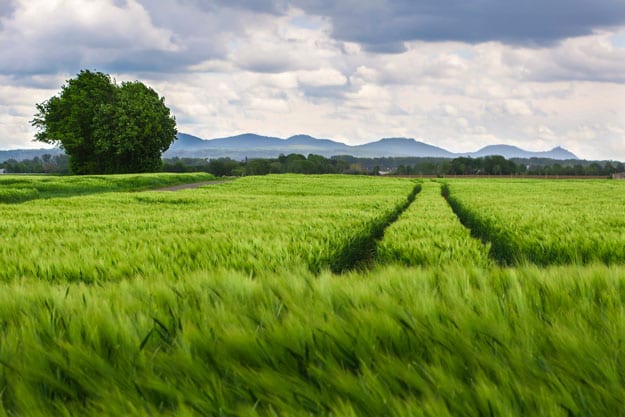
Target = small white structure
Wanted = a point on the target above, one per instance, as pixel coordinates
(1, 170)
(619, 176)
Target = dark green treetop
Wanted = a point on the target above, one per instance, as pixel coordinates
(106, 128)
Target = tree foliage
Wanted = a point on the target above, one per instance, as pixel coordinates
(292, 163)
(106, 128)
(489, 165)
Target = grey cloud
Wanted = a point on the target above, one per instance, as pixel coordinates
(324, 93)
(572, 71)
(258, 6)
(267, 66)
(6, 7)
(70, 46)
(148, 61)
(58, 60)
(33, 81)
(384, 24)
(196, 19)
(386, 48)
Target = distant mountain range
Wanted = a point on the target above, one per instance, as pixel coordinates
(256, 146)
(250, 145)
(509, 152)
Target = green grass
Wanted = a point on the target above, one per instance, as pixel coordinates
(394, 341)
(20, 188)
(252, 298)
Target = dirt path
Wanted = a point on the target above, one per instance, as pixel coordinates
(187, 186)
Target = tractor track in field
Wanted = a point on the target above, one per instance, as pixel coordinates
(360, 253)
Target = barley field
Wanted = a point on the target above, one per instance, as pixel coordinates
(311, 295)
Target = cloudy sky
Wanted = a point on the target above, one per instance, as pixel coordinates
(459, 74)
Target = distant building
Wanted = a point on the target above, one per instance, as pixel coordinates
(618, 176)
(1, 170)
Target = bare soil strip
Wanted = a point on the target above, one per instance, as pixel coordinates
(188, 186)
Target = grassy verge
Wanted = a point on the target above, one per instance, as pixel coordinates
(20, 188)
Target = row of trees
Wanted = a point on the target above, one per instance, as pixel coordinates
(489, 165)
(292, 163)
(588, 169)
(498, 165)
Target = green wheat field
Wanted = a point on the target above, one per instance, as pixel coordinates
(298, 295)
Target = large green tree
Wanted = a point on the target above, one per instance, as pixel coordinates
(106, 128)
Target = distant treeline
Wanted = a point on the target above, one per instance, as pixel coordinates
(292, 163)
(316, 164)
(47, 164)
(498, 165)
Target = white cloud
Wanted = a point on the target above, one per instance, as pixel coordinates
(511, 107)
(15, 115)
(588, 58)
(323, 77)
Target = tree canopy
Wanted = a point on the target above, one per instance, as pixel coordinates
(106, 128)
